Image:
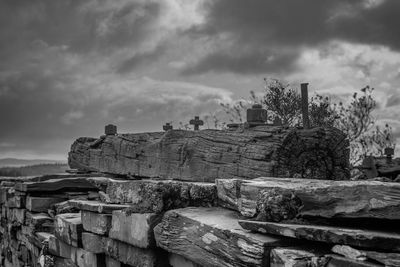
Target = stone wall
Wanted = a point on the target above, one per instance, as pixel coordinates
(93, 220)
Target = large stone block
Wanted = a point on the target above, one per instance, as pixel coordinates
(213, 237)
(96, 222)
(148, 196)
(277, 199)
(68, 228)
(93, 243)
(134, 228)
(206, 155)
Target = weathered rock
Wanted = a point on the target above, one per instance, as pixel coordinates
(56, 185)
(68, 228)
(328, 234)
(147, 196)
(17, 215)
(41, 204)
(134, 256)
(277, 199)
(78, 256)
(388, 259)
(96, 222)
(209, 154)
(134, 228)
(59, 248)
(297, 257)
(338, 261)
(212, 237)
(349, 252)
(96, 206)
(228, 191)
(93, 243)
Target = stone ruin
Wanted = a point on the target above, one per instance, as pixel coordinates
(248, 196)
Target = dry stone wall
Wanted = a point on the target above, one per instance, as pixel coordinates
(102, 221)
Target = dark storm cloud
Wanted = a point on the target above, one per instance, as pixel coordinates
(82, 26)
(275, 25)
(48, 51)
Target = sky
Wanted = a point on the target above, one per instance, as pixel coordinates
(69, 67)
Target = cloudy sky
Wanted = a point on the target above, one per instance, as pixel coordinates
(69, 67)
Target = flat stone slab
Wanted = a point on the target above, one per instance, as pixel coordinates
(96, 206)
(56, 185)
(147, 196)
(213, 237)
(134, 228)
(97, 223)
(41, 204)
(328, 234)
(277, 199)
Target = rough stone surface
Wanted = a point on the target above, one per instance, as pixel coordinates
(96, 222)
(147, 196)
(134, 228)
(212, 237)
(209, 154)
(68, 228)
(328, 234)
(276, 199)
(93, 243)
(297, 257)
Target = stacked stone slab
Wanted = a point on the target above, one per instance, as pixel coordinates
(28, 213)
(259, 222)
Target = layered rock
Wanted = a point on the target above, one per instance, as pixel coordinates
(320, 153)
(277, 199)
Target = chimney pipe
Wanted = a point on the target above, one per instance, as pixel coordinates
(304, 105)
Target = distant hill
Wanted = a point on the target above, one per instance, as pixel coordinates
(39, 169)
(13, 162)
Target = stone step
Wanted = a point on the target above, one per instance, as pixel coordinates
(213, 237)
